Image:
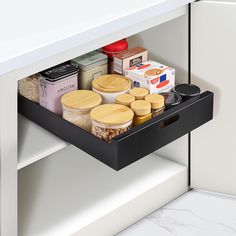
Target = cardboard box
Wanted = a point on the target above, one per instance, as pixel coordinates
(152, 75)
(129, 58)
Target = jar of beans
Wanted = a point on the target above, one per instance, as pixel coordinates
(111, 120)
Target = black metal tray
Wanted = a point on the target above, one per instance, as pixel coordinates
(133, 144)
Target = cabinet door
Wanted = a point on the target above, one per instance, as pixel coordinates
(213, 158)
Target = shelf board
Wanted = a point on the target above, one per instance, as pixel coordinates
(35, 143)
(70, 191)
(42, 42)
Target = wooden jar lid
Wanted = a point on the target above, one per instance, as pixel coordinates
(111, 83)
(141, 107)
(112, 114)
(139, 93)
(81, 99)
(157, 101)
(125, 99)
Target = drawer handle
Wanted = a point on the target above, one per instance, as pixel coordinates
(169, 121)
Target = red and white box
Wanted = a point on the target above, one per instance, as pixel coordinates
(156, 77)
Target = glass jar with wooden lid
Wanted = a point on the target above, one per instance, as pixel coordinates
(110, 120)
(77, 106)
(110, 86)
(142, 111)
(125, 99)
(139, 93)
(157, 103)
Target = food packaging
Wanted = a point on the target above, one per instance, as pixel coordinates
(156, 77)
(54, 83)
(129, 58)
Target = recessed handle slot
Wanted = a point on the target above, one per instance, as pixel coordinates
(169, 121)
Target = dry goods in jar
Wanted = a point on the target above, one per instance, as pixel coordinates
(142, 111)
(29, 87)
(110, 120)
(157, 103)
(77, 106)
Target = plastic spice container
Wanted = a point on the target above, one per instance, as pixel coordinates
(187, 90)
(110, 120)
(77, 106)
(125, 99)
(139, 93)
(171, 99)
(54, 83)
(110, 86)
(29, 87)
(142, 111)
(113, 49)
(90, 65)
(157, 103)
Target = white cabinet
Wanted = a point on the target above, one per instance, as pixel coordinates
(213, 159)
(63, 191)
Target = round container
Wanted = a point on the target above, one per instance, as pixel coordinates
(125, 99)
(113, 49)
(110, 120)
(187, 90)
(139, 93)
(171, 99)
(142, 111)
(77, 106)
(110, 86)
(157, 103)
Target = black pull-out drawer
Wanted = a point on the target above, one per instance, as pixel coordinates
(133, 144)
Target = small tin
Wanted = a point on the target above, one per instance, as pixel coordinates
(171, 99)
(90, 65)
(187, 90)
(54, 83)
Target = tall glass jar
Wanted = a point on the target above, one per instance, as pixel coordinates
(77, 106)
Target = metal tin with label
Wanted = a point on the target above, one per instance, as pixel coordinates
(55, 82)
(90, 65)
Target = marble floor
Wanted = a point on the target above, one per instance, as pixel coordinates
(196, 213)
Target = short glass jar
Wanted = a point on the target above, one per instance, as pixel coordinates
(142, 111)
(110, 120)
(110, 86)
(139, 93)
(125, 99)
(157, 103)
(77, 106)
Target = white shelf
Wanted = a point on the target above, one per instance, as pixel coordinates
(71, 193)
(75, 28)
(35, 143)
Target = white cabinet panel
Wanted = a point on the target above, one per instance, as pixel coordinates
(213, 156)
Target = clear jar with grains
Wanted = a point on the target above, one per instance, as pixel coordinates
(111, 120)
(29, 87)
(77, 106)
(157, 103)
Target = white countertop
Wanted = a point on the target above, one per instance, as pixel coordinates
(34, 30)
